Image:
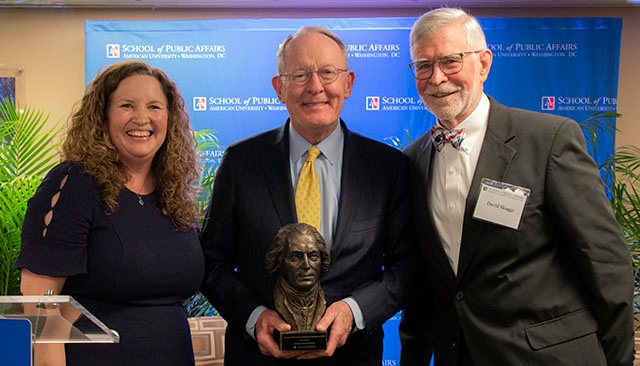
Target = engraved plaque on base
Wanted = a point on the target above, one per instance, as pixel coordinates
(302, 340)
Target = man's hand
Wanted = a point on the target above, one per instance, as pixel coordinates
(339, 318)
(268, 322)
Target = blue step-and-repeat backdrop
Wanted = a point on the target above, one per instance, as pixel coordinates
(564, 66)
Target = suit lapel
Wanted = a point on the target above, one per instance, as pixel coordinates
(422, 178)
(354, 174)
(493, 163)
(276, 169)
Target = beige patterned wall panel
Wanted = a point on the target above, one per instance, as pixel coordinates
(207, 334)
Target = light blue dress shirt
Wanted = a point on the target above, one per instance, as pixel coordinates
(329, 170)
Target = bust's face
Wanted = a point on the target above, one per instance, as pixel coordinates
(301, 265)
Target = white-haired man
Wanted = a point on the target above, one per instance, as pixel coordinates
(526, 261)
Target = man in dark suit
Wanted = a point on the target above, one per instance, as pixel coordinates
(526, 261)
(364, 216)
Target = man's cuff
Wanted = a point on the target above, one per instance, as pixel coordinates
(253, 319)
(358, 318)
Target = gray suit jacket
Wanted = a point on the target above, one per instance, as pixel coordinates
(558, 291)
(373, 257)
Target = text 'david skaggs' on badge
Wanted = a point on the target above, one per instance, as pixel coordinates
(501, 203)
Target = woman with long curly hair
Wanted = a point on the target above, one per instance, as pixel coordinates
(114, 224)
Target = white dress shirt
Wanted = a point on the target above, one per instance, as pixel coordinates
(451, 176)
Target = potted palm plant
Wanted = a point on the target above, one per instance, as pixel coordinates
(624, 169)
(625, 200)
(621, 174)
(26, 154)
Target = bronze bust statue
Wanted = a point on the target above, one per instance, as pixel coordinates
(298, 256)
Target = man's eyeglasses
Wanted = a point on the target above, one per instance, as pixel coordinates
(449, 64)
(327, 75)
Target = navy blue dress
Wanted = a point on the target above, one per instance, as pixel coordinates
(131, 269)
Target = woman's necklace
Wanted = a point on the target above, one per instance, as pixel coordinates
(140, 200)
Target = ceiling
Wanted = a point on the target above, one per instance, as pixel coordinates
(311, 3)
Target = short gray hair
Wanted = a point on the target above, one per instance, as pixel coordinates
(429, 22)
(306, 30)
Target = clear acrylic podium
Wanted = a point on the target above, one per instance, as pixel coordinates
(53, 319)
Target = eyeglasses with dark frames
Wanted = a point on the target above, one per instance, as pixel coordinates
(449, 64)
(327, 75)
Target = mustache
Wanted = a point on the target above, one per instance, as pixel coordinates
(440, 90)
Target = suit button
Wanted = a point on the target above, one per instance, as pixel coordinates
(453, 345)
(459, 295)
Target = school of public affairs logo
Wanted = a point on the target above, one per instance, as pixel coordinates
(199, 103)
(548, 103)
(589, 103)
(373, 103)
(113, 51)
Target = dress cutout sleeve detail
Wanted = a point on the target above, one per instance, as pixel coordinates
(54, 200)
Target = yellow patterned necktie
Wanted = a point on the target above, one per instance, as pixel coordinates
(308, 202)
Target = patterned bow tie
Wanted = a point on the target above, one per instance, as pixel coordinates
(440, 136)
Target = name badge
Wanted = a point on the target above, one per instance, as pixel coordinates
(501, 203)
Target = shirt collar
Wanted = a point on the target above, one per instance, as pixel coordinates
(329, 147)
(475, 124)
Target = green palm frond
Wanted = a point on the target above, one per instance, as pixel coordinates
(625, 201)
(27, 152)
(14, 196)
(198, 305)
(206, 140)
(25, 147)
(396, 142)
(627, 160)
(599, 122)
(9, 277)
